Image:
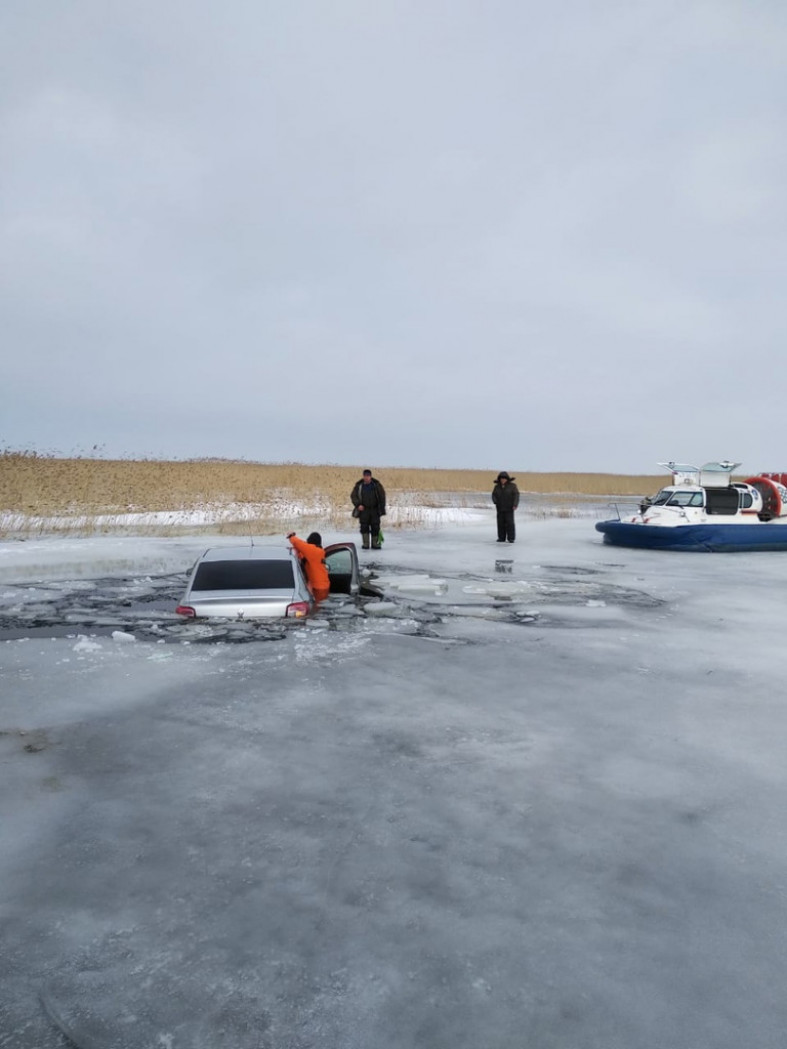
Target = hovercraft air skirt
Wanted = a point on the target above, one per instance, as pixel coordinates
(714, 538)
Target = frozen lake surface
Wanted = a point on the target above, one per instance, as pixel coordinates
(533, 796)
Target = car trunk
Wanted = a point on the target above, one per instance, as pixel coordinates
(270, 604)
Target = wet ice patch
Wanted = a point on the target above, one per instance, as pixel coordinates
(143, 606)
(28, 612)
(17, 597)
(81, 615)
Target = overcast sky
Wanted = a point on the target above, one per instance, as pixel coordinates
(498, 234)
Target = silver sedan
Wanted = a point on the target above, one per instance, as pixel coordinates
(261, 582)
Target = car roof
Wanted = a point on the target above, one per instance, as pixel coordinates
(247, 553)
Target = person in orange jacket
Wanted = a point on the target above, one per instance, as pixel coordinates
(312, 553)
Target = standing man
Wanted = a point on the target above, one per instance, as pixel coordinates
(313, 555)
(505, 496)
(368, 498)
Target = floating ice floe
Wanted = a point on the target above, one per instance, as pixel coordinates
(86, 644)
(122, 636)
(496, 589)
(385, 608)
(413, 584)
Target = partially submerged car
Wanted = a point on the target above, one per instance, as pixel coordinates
(261, 582)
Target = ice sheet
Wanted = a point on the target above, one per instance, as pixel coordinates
(436, 826)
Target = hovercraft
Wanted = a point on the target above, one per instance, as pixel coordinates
(704, 509)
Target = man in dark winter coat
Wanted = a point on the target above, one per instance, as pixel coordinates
(368, 498)
(505, 496)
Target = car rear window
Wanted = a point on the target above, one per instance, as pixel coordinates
(244, 575)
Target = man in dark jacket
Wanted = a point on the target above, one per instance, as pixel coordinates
(368, 498)
(505, 496)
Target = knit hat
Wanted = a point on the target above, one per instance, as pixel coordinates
(315, 539)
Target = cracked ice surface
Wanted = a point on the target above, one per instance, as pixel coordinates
(549, 815)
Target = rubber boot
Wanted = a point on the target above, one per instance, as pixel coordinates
(376, 542)
(365, 538)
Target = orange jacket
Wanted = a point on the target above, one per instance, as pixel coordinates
(316, 572)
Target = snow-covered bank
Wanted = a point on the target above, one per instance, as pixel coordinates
(81, 524)
(280, 513)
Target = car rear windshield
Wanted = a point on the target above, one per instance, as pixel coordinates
(244, 575)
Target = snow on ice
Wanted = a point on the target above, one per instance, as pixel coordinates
(538, 808)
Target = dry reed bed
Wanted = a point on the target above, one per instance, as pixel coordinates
(83, 495)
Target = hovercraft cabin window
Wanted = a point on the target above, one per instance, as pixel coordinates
(685, 499)
(721, 500)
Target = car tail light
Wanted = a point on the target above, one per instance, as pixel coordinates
(297, 610)
(186, 610)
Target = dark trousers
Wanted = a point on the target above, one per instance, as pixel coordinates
(506, 528)
(369, 522)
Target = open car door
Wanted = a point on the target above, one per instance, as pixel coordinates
(341, 560)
